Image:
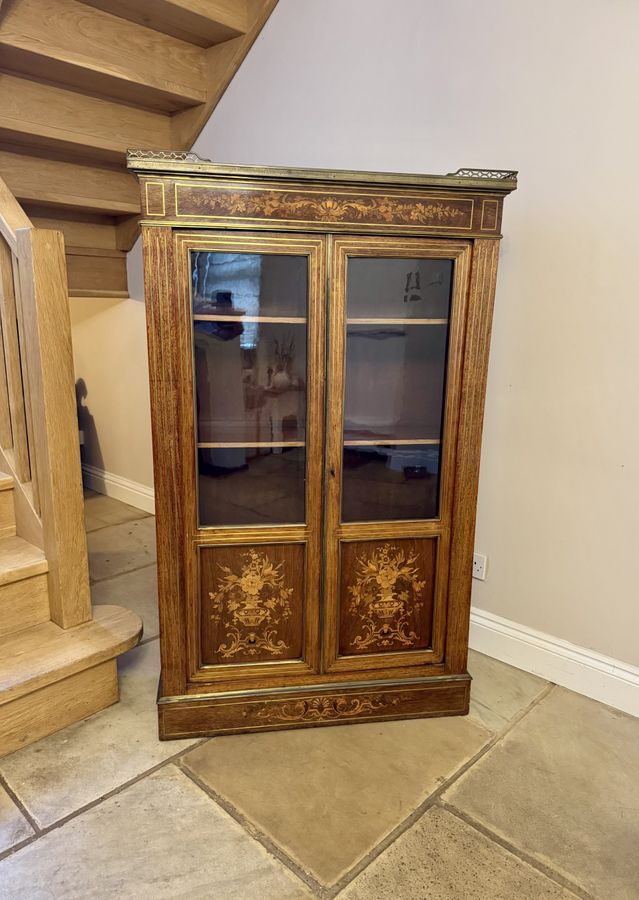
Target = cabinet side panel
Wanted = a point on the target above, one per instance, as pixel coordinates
(475, 371)
(165, 355)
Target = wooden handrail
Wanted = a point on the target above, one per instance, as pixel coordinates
(12, 216)
(38, 423)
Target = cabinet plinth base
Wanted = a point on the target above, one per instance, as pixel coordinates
(206, 716)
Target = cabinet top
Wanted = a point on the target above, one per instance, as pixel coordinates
(173, 162)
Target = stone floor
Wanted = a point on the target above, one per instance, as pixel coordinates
(534, 795)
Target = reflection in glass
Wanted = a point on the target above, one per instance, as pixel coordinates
(389, 482)
(394, 398)
(251, 485)
(394, 381)
(399, 288)
(251, 394)
(249, 340)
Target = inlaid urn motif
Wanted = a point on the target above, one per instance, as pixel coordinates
(386, 594)
(252, 604)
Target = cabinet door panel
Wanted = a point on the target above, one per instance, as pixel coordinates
(387, 595)
(252, 603)
(397, 324)
(253, 311)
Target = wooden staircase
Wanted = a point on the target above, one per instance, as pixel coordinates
(57, 655)
(82, 82)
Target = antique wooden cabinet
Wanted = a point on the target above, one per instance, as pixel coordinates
(318, 346)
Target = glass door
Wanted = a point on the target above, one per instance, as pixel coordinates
(256, 316)
(395, 335)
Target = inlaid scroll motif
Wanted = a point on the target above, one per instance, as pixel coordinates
(299, 205)
(251, 605)
(324, 708)
(385, 596)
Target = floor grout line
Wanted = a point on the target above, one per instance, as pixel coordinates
(148, 565)
(43, 831)
(127, 572)
(23, 809)
(115, 524)
(253, 831)
(434, 797)
(516, 851)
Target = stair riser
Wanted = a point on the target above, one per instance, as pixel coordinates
(34, 716)
(23, 604)
(7, 514)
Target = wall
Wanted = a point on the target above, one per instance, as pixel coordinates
(548, 88)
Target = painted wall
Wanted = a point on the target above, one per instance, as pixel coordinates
(548, 88)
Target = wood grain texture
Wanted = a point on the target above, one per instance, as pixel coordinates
(476, 350)
(303, 709)
(221, 62)
(23, 604)
(65, 121)
(19, 559)
(394, 596)
(13, 366)
(166, 354)
(252, 603)
(32, 659)
(67, 42)
(57, 705)
(201, 22)
(387, 596)
(47, 348)
(102, 272)
(33, 179)
(12, 216)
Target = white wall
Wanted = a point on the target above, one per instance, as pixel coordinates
(549, 88)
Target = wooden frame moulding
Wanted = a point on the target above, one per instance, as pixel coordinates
(308, 533)
(337, 531)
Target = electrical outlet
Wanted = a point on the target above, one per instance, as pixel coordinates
(479, 566)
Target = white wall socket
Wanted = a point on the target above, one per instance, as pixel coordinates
(479, 566)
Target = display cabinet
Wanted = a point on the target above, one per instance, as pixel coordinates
(318, 346)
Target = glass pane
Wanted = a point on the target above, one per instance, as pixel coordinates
(399, 288)
(250, 284)
(394, 381)
(250, 393)
(396, 352)
(251, 485)
(249, 340)
(389, 481)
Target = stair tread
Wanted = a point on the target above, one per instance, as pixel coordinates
(6, 482)
(44, 654)
(20, 559)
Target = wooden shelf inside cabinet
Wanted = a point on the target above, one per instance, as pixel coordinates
(240, 445)
(393, 442)
(291, 320)
(398, 321)
(324, 580)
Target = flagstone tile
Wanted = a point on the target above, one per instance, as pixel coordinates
(121, 548)
(160, 839)
(137, 591)
(498, 691)
(563, 785)
(443, 858)
(100, 510)
(13, 825)
(327, 796)
(65, 771)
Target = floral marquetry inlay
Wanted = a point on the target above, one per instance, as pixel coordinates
(386, 594)
(338, 207)
(251, 604)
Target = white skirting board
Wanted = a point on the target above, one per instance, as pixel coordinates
(131, 492)
(584, 671)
